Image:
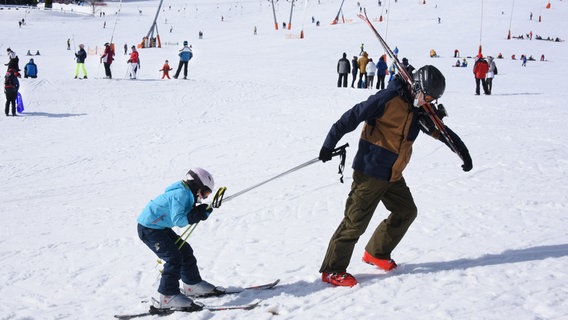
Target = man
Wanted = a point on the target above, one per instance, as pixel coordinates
(480, 69)
(393, 118)
(343, 69)
(178, 206)
(185, 54)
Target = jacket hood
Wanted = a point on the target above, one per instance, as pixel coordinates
(177, 186)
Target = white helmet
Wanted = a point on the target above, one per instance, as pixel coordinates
(201, 177)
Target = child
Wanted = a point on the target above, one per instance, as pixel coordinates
(166, 69)
(179, 206)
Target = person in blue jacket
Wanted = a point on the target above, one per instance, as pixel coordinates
(382, 69)
(179, 206)
(185, 54)
(30, 69)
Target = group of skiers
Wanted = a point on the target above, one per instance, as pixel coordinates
(365, 67)
(484, 71)
(367, 70)
(107, 58)
(12, 84)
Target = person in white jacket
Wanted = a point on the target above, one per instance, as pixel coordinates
(490, 73)
(371, 71)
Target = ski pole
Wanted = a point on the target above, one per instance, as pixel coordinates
(339, 151)
(219, 196)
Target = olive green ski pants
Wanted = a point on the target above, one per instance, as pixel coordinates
(366, 193)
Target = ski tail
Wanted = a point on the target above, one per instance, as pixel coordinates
(166, 311)
(410, 80)
(249, 306)
(264, 286)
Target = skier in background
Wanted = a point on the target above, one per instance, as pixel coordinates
(343, 69)
(381, 73)
(80, 57)
(409, 68)
(371, 69)
(180, 205)
(14, 62)
(30, 69)
(490, 73)
(11, 87)
(134, 61)
(354, 68)
(185, 54)
(363, 70)
(393, 118)
(107, 58)
(166, 70)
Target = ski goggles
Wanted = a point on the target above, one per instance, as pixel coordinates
(417, 88)
(428, 98)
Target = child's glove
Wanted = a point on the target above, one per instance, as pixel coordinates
(199, 213)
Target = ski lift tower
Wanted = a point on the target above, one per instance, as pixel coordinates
(149, 41)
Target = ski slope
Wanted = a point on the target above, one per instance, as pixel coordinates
(87, 155)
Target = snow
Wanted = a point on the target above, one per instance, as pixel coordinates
(87, 155)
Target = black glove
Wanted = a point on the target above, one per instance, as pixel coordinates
(325, 154)
(467, 164)
(199, 213)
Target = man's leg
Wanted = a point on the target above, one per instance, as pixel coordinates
(398, 200)
(362, 201)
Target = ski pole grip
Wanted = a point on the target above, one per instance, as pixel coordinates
(339, 150)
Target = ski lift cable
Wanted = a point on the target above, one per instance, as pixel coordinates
(116, 21)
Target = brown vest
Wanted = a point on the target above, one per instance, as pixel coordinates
(390, 132)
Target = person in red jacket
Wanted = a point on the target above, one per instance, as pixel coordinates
(480, 69)
(134, 63)
(166, 70)
(106, 59)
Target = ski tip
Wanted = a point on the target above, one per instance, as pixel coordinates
(253, 305)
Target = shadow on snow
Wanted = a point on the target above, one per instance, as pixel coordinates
(53, 115)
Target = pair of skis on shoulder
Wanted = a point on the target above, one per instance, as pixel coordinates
(428, 107)
(200, 306)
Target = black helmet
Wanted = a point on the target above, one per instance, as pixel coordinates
(430, 81)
